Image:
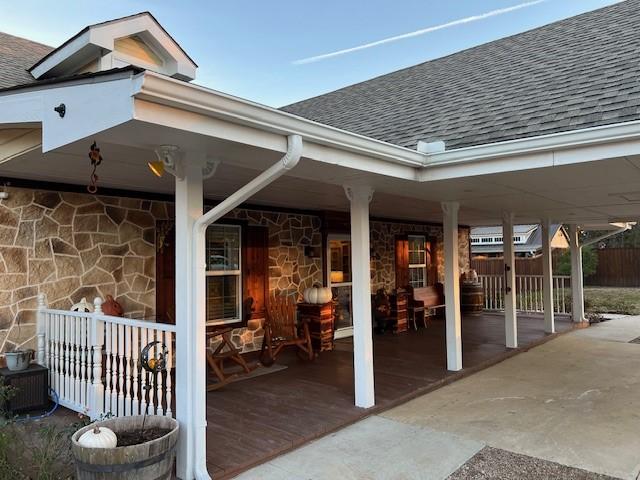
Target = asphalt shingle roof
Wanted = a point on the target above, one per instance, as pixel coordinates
(576, 73)
(17, 55)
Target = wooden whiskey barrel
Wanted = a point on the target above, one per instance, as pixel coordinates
(151, 460)
(471, 298)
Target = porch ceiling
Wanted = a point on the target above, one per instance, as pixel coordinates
(590, 192)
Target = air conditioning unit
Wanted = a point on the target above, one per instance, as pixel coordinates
(31, 388)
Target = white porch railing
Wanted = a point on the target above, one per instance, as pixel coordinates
(528, 293)
(94, 366)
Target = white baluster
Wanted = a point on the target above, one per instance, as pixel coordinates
(127, 369)
(169, 364)
(135, 350)
(120, 370)
(108, 383)
(114, 369)
(144, 391)
(83, 360)
(73, 391)
(159, 379)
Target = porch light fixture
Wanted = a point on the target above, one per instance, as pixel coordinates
(167, 161)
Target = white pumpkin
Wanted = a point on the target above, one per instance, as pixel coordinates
(98, 437)
(318, 295)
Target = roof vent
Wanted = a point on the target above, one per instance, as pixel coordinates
(431, 147)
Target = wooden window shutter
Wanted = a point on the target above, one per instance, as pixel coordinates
(432, 265)
(255, 271)
(402, 261)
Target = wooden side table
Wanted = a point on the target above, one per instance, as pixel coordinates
(32, 388)
(321, 324)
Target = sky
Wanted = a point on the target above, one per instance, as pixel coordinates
(277, 52)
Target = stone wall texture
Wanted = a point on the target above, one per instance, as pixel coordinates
(74, 245)
(383, 235)
(68, 246)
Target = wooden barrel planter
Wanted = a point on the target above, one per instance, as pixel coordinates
(152, 460)
(472, 298)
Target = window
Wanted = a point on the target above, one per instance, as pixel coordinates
(417, 261)
(475, 240)
(224, 291)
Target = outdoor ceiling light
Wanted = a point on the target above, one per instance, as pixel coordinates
(167, 161)
(156, 167)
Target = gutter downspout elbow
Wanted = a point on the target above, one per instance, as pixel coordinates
(290, 159)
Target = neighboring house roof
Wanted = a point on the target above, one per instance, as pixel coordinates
(576, 73)
(497, 230)
(16, 57)
(533, 243)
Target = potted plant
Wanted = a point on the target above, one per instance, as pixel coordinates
(19, 359)
(139, 447)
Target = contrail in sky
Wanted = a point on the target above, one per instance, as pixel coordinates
(461, 21)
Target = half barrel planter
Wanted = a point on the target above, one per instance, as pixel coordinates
(152, 460)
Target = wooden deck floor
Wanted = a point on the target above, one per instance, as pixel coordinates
(253, 420)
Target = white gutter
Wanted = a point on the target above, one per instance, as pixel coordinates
(621, 228)
(542, 143)
(158, 88)
(286, 163)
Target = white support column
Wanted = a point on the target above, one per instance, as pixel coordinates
(510, 316)
(577, 279)
(360, 197)
(189, 344)
(452, 286)
(547, 278)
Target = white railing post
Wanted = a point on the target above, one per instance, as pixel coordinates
(41, 355)
(96, 397)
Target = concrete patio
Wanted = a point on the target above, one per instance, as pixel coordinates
(573, 400)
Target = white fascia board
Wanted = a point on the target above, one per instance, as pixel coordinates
(159, 114)
(163, 90)
(61, 55)
(92, 105)
(586, 145)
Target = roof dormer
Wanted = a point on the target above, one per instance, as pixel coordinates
(137, 40)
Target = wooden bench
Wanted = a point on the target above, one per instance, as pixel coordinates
(424, 302)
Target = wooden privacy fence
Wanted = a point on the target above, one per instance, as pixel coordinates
(524, 265)
(94, 362)
(528, 293)
(617, 267)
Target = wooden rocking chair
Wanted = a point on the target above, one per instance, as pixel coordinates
(280, 331)
(224, 351)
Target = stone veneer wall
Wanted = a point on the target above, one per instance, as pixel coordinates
(69, 246)
(72, 245)
(383, 235)
(290, 271)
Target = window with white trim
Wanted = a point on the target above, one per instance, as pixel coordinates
(224, 282)
(417, 261)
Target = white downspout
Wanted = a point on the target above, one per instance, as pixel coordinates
(198, 323)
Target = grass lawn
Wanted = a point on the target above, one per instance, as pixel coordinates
(612, 300)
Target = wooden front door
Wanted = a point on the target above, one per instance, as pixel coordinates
(165, 272)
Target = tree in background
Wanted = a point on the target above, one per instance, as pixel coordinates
(628, 239)
(589, 262)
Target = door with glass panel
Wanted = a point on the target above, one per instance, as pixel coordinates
(339, 268)
(224, 292)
